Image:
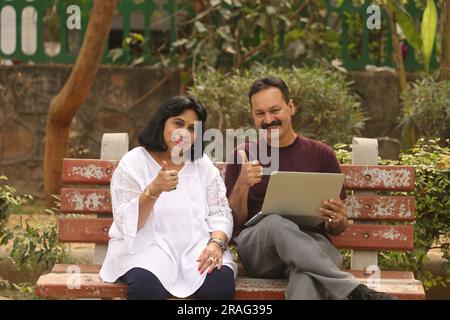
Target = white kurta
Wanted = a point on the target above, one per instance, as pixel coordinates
(177, 229)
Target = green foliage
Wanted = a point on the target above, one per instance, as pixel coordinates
(343, 152)
(238, 33)
(428, 32)
(326, 108)
(432, 225)
(32, 246)
(131, 51)
(36, 246)
(429, 108)
(406, 22)
(8, 201)
(424, 40)
(24, 288)
(432, 229)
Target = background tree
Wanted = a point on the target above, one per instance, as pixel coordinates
(445, 41)
(65, 104)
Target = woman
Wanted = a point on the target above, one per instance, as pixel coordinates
(171, 216)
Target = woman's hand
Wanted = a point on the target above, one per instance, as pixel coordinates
(210, 258)
(166, 180)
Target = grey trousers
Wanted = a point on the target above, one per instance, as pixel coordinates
(276, 247)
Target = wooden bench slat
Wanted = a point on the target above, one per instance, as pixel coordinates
(86, 201)
(87, 284)
(376, 237)
(72, 285)
(98, 201)
(357, 236)
(84, 230)
(400, 208)
(88, 171)
(400, 178)
(394, 276)
(389, 178)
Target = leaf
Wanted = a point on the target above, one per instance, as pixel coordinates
(179, 43)
(270, 10)
(406, 23)
(137, 61)
(115, 54)
(138, 36)
(214, 2)
(429, 25)
(287, 22)
(200, 27)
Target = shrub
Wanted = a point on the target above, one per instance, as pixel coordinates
(33, 247)
(36, 247)
(326, 108)
(8, 201)
(429, 108)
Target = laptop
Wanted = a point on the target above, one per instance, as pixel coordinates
(297, 196)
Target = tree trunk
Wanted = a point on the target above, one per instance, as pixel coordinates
(397, 54)
(64, 105)
(445, 35)
(409, 131)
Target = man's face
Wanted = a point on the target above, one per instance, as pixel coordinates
(271, 112)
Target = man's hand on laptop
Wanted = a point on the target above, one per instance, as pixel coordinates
(251, 171)
(334, 213)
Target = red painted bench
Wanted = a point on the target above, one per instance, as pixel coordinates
(86, 192)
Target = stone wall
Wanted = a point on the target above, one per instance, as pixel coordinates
(26, 92)
(379, 93)
(111, 107)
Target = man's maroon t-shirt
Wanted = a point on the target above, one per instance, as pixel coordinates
(303, 155)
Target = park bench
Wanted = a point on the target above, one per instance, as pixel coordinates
(378, 223)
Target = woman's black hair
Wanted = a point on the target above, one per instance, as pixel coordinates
(152, 137)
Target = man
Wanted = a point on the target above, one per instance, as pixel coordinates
(277, 247)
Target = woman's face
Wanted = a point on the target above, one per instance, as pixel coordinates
(179, 132)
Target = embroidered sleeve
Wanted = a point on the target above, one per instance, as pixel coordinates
(219, 216)
(125, 191)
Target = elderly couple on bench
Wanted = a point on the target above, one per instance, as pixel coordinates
(174, 218)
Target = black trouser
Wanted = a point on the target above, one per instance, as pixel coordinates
(144, 285)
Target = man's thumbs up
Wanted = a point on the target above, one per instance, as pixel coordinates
(243, 156)
(251, 172)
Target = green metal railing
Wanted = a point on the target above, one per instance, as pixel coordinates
(356, 45)
(363, 56)
(40, 7)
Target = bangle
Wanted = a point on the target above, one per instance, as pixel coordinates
(149, 194)
(219, 242)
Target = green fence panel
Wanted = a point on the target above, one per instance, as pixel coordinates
(355, 50)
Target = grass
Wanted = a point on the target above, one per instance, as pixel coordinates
(33, 207)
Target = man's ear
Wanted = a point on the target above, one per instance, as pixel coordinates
(292, 106)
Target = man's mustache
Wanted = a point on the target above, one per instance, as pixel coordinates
(273, 123)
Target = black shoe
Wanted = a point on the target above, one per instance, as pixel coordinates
(362, 292)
